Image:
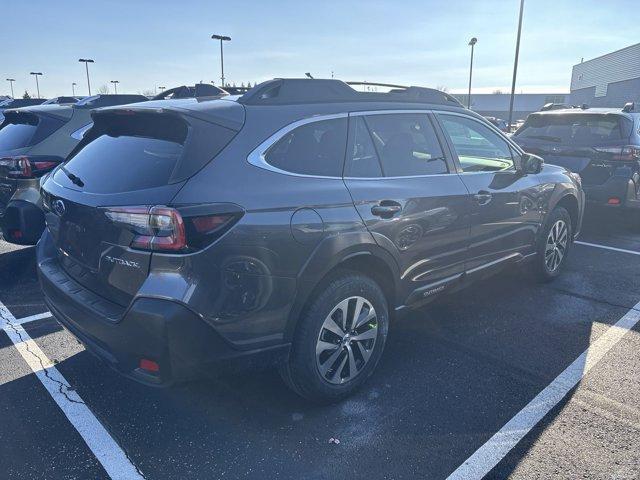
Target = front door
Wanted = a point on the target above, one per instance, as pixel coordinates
(506, 204)
(406, 192)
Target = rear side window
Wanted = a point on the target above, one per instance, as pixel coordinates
(315, 148)
(406, 145)
(575, 129)
(362, 161)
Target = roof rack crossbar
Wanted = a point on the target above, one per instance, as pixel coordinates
(283, 91)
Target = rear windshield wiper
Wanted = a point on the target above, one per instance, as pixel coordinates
(74, 178)
(544, 137)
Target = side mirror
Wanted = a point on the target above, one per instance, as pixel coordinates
(532, 163)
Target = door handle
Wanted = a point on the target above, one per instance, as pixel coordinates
(483, 197)
(386, 209)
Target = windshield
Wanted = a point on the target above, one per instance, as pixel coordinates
(575, 129)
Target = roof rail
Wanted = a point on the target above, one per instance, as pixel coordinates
(629, 107)
(284, 91)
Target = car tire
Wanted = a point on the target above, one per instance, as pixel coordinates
(554, 244)
(322, 373)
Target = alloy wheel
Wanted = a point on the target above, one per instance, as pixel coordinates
(556, 246)
(346, 340)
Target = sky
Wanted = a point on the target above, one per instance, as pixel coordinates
(146, 44)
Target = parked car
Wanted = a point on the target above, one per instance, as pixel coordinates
(501, 124)
(199, 90)
(33, 140)
(600, 144)
(288, 225)
(62, 100)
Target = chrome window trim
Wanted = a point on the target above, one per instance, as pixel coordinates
(257, 155)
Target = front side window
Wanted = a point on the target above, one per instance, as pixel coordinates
(406, 144)
(479, 148)
(315, 148)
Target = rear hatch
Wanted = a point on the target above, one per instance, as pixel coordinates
(21, 130)
(97, 202)
(595, 145)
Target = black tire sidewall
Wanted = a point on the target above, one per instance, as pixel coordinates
(303, 371)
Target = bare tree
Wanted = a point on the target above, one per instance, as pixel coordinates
(103, 89)
(497, 91)
(442, 88)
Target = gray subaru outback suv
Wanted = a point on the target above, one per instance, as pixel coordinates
(288, 225)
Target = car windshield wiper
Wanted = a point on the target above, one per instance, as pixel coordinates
(74, 178)
(544, 137)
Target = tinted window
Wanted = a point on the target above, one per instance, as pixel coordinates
(479, 148)
(129, 154)
(17, 135)
(315, 148)
(575, 129)
(363, 160)
(406, 145)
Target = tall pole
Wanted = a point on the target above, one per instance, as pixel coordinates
(37, 74)
(222, 38)
(472, 42)
(73, 89)
(222, 63)
(515, 65)
(86, 62)
(115, 85)
(11, 80)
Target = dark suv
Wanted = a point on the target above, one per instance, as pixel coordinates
(34, 140)
(287, 225)
(601, 144)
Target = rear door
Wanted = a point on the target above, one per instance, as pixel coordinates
(132, 160)
(405, 190)
(506, 204)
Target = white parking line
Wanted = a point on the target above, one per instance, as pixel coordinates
(114, 460)
(23, 320)
(606, 247)
(499, 445)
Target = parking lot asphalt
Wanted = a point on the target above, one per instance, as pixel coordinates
(453, 374)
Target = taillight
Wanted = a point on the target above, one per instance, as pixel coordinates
(33, 166)
(628, 153)
(164, 229)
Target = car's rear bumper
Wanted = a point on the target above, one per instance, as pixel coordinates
(22, 222)
(617, 192)
(166, 332)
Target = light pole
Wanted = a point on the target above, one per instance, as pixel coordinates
(86, 62)
(515, 65)
(115, 85)
(11, 80)
(73, 89)
(472, 42)
(161, 89)
(222, 38)
(37, 74)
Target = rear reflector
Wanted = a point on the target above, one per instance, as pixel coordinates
(149, 365)
(614, 201)
(15, 234)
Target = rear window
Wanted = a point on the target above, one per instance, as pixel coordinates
(17, 135)
(575, 129)
(124, 153)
